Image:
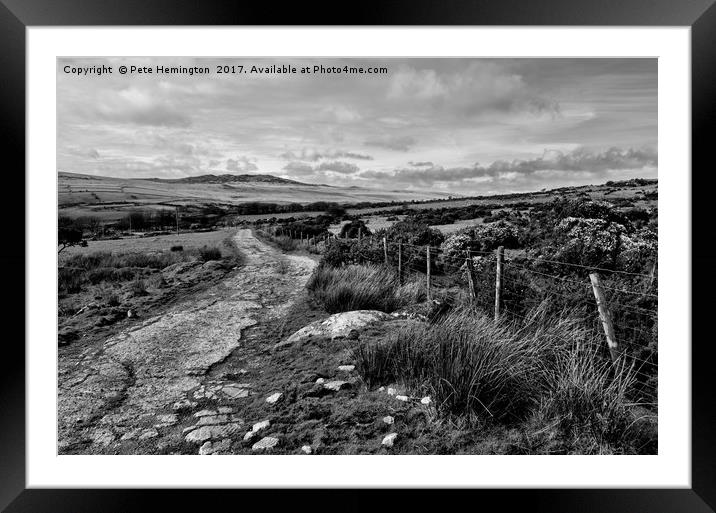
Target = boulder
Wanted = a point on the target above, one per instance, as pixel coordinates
(338, 325)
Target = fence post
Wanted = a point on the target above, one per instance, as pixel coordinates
(471, 277)
(400, 263)
(498, 280)
(360, 229)
(605, 316)
(427, 270)
(385, 250)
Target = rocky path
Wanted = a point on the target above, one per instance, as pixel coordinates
(155, 388)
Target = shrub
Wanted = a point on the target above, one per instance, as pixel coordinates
(69, 279)
(481, 238)
(177, 248)
(285, 243)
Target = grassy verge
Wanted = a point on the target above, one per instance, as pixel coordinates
(544, 374)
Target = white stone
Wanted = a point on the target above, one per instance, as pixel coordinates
(234, 391)
(273, 398)
(306, 449)
(425, 400)
(346, 368)
(320, 381)
(381, 389)
(391, 391)
(261, 425)
(265, 444)
(204, 433)
(335, 385)
(204, 413)
(401, 397)
(149, 433)
(249, 435)
(168, 419)
(215, 447)
(389, 439)
(225, 409)
(337, 325)
(388, 419)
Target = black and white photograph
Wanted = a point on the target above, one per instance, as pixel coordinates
(342, 256)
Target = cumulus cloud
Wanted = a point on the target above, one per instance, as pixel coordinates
(421, 164)
(303, 169)
(139, 107)
(481, 87)
(579, 160)
(391, 142)
(241, 164)
(309, 155)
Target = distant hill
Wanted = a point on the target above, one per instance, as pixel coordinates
(227, 178)
(108, 197)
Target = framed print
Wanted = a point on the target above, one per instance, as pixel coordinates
(422, 248)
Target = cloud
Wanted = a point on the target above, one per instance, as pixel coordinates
(240, 164)
(139, 107)
(314, 156)
(421, 164)
(579, 160)
(480, 87)
(336, 166)
(392, 142)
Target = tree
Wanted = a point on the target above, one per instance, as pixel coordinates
(67, 237)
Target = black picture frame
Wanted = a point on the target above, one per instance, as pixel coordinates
(700, 15)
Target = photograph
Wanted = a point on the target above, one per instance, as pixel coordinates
(357, 255)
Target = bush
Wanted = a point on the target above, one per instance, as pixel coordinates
(138, 287)
(285, 243)
(481, 238)
(355, 287)
(177, 248)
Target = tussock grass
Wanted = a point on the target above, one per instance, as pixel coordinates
(357, 287)
(547, 373)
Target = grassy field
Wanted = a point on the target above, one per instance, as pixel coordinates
(189, 240)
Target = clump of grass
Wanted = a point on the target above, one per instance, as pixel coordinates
(207, 253)
(357, 287)
(588, 399)
(283, 266)
(138, 287)
(69, 279)
(285, 243)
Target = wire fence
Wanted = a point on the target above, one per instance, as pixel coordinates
(514, 286)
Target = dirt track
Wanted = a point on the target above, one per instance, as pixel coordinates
(135, 392)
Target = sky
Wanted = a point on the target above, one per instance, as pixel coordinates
(459, 126)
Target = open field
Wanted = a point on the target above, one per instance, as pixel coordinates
(151, 244)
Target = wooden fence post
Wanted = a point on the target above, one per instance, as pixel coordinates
(400, 263)
(360, 230)
(498, 280)
(427, 270)
(385, 250)
(605, 316)
(471, 277)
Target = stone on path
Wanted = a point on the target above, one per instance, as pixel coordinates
(401, 397)
(391, 391)
(256, 428)
(346, 368)
(306, 449)
(203, 433)
(320, 381)
(388, 419)
(149, 433)
(389, 439)
(215, 447)
(425, 400)
(273, 398)
(265, 444)
(235, 391)
(168, 419)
